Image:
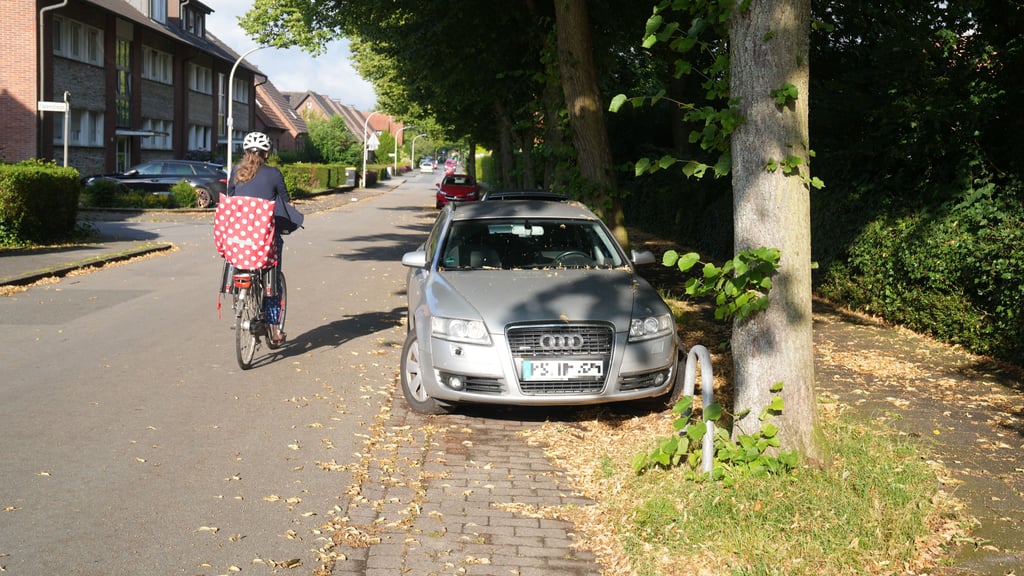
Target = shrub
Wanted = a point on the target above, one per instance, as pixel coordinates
(38, 200)
(183, 195)
(101, 194)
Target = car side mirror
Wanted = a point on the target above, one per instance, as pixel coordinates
(643, 257)
(131, 173)
(417, 259)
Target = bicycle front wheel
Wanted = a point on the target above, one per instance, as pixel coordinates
(246, 318)
(282, 288)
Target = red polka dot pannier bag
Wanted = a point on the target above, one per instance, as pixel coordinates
(243, 230)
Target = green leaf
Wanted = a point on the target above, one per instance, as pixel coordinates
(642, 166)
(688, 260)
(696, 432)
(617, 102)
(777, 387)
(713, 412)
(653, 23)
(667, 161)
(669, 258)
(639, 462)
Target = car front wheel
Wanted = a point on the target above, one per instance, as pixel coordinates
(203, 198)
(412, 379)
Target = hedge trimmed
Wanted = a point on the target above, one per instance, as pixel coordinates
(38, 200)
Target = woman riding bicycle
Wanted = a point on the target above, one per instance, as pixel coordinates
(253, 177)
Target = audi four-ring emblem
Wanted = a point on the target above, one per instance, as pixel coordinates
(560, 341)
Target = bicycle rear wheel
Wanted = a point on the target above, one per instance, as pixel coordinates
(282, 288)
(247, 313)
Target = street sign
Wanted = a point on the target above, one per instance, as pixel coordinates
(52, 106)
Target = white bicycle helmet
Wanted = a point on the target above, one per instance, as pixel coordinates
(256, 141)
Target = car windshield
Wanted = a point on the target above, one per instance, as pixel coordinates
(519, 243)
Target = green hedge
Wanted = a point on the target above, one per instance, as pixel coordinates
(305, 179)
(955, 271)
(38, 200)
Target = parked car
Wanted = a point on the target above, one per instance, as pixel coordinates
(426, 165)
(157, 177)
(532, 303)
(450, 165)
(456, 188)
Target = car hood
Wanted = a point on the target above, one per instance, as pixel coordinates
(501, 297)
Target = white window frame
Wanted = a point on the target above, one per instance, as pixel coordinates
(200, 79)
(157, 65)
(77, 41)
(85, 129)
(199, 137)
(158, 10)
(161, 140)
(241, 90)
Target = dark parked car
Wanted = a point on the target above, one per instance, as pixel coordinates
(532, 303)
(456, 188)
(158, 176)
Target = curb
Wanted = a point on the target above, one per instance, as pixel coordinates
(91, 262)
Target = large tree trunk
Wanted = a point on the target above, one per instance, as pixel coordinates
(586, 113)
(506, 162)
(769, 48)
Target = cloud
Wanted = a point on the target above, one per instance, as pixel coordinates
(292, 70)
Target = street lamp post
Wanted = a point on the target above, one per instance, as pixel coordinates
(366, 142)
(231, 99)
(400, 130)
(418, 136)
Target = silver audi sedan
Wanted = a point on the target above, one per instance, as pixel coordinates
(532, 303)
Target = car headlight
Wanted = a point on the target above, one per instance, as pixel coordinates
(460, 330)
(650, 327)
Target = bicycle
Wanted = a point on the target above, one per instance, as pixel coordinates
(249, 288)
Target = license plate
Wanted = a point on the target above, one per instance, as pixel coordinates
(562, 369)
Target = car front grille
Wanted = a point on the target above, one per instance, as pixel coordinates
(562, 341)
(530, 341)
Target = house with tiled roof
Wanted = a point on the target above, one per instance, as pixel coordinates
(311, 104)
(278, 120)
(120, 82)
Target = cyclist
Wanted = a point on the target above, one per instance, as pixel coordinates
(253, 177)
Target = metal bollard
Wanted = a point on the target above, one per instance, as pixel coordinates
(700, 354)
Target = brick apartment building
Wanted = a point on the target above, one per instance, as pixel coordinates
(145, 80)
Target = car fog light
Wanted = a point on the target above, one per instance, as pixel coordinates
(456, 383)
(659, 379)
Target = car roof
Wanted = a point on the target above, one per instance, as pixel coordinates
(522, 209)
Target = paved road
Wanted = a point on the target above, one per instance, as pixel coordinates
(133, 444)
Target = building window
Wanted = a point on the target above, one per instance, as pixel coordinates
(240, 89)
(199, 137)
(158, 10)
(162, 132)
(123, 87)
(85, 128)
(156, 65)
(77, 41)
(193, 21)
(200, 79)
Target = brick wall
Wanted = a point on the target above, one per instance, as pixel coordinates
(18, 80)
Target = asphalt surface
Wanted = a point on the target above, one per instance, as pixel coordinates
(426, 502)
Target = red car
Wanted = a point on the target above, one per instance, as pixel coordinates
(457, 188)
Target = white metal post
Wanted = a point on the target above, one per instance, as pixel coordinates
(400, 130)
(366, 143)
(231, 99)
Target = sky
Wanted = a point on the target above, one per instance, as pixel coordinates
(293, 70)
